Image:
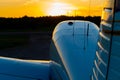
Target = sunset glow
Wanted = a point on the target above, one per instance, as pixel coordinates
(36, 8)
(58, 8)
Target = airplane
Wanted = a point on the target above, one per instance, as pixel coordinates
(79, 50)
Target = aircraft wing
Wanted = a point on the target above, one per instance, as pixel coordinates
(75, 44)
(15, 69)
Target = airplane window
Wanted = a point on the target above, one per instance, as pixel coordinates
(108, 9)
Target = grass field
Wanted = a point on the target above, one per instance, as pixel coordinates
(9, 40)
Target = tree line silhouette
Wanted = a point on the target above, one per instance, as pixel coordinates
(45, 23)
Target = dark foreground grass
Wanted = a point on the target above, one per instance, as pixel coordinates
(8, 40)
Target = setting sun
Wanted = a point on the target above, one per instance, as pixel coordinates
(36, 8)
(57, 9)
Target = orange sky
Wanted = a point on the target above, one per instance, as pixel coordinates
(19, 8)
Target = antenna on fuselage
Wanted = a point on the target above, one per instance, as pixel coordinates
(86, 30)
(88, 18)
(84, 36)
